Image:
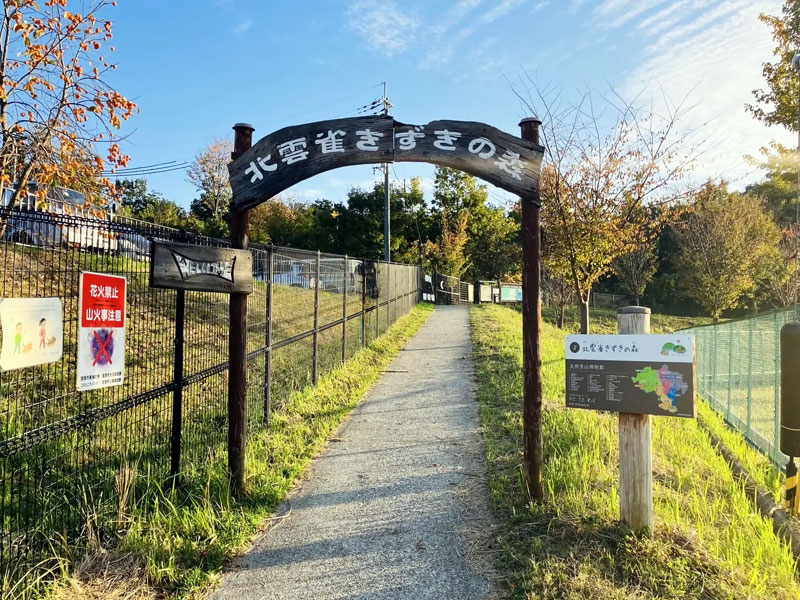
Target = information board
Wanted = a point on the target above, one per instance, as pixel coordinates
(640, 374)
(101, 331)
(510, 293)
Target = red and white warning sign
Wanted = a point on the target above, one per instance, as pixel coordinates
(101, 331)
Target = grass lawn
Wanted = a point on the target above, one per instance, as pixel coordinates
(709, 540)
(174, 542)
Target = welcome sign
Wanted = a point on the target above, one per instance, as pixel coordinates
(201, 268)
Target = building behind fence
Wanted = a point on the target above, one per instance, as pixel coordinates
(63, 453)
(739, 375)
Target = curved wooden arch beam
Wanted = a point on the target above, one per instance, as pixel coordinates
(292, 154)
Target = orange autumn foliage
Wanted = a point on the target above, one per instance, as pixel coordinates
(56, 109)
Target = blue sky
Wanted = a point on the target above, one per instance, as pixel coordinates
(196, 67)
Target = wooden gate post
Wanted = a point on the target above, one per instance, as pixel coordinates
(635, 446)
(237, 349)
(531, 328)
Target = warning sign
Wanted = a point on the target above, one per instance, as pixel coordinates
(101, 332)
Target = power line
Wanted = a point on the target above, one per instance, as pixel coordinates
(131, 174)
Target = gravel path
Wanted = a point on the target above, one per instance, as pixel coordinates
(397, 505)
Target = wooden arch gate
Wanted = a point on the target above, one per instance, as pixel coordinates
(292, 154)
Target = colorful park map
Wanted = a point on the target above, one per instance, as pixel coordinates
(667, 385)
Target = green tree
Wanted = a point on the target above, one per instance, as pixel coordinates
(455, 192)
(724, 241)
(447, 255)
(636, 268)
(281, 223)
(778, 104)
(494, 248)
(134, 195)
(779, 186)
(161, 211)
(208, 173)
(604, 160)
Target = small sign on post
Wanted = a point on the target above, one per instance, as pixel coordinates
(201, 268)
(638, 374)
(635, 375)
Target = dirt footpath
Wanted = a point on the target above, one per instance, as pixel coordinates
(397, 505)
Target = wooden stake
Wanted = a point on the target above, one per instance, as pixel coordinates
(635, 445)
(531, 329)
(237, 349)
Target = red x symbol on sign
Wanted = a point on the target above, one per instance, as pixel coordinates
(103, 347)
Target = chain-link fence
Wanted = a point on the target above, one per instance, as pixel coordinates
(64, 454)
(739, 375)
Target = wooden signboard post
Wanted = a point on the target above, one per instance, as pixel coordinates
(637, 376)
(185, 267)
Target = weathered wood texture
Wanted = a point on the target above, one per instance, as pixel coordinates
(532, 327)
(237, 340)
(201, 268)
(293, 154)
(635, 445)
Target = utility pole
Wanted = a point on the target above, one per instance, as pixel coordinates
(387, 228)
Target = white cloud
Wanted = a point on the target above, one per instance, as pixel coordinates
(445, 42)
(500, 10)
(714, 59)
(243, 26)
(457, 13)
(383, 26)
(541, 5)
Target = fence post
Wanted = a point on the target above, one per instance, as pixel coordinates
(777, 389)
(714, 345)
(750, 375)
(177, 394)
(344, 310)
(268, 355)
(237, 338)
(730, 370)
(315, 368)
(363, 303)
(635, 446)
(378, 299)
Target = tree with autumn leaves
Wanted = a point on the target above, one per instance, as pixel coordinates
(58, 115)
(606, 158)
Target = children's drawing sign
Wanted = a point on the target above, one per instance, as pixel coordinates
(33, 332)
(101, 331)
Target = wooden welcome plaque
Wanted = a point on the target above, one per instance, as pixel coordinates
(200, 268)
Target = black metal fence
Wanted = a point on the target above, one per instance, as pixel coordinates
(63, 453)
